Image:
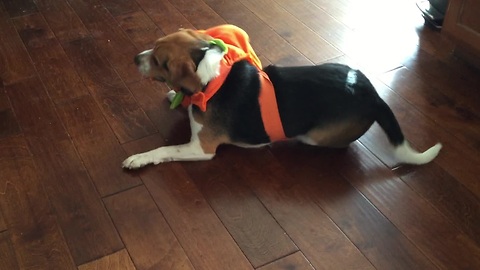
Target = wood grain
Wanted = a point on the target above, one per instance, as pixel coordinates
(446, 79)
(19, 7)
(85, 223)
(374, 235)
(292, 206)
(424, 133)
(314, 47)
(14, 147)
(3, 225)
(145, 232)
(56, 71)
(173, 125)
(96, 145)
(109, 37)
(265, 41)
(458, 117)
(432, 233)
(319, 21)
(8, 124)
(15, 63)
(121, 7)
(191, 8)
(119, 261)
(7, 253)
(256, 232)
(140, 29)
(63, 21)
(450, 197)
(35, 234)
(200, 232)
(125, 117)
(295, 261)
(164, 15)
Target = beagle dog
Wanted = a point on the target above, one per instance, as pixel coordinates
(231, 99)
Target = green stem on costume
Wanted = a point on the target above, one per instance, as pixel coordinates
(177, 100)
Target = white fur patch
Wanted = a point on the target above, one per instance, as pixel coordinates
(306, 140)
(171, 94)
(191, 151)
(209, 67)
(407, 155)
(351, 80)
(144, 66)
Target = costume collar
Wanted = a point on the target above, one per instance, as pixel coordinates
(201, 98)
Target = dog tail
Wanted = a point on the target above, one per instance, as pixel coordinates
(403, 152)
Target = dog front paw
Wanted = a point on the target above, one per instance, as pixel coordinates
(136, 161)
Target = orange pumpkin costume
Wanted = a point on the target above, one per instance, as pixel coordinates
(239, 48)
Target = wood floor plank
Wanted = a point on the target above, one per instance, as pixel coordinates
(110, 39)
(165, 15)
(19, 7)
(429, 230)
(374, 235)
(319, 21)
(85, 223)
(8, 124)
(140, 29)
(14, 147)
(56, 71)
(446, 79)
(206, 241)
(295, 261)
(96, 145)
(255, 231)
(437, 184)
(35, 234)
(4, 102)
(16, 64)
(191, 8)
(378, 46)
(314, 47)
(122, 112)
(424, 133)
(119, 261)
(7, 254)
(368, 229)
(264, 40)
(145, 232)
(63, 21)
(3, 224)
(293, 208)
(121, 7)
(455, 115)
(446, 194)
(173, 125)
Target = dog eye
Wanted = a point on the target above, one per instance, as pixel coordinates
(155, 62)
(165, 66)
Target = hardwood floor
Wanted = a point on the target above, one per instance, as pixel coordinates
(73, 106)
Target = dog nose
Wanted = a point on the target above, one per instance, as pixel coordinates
(136, 59)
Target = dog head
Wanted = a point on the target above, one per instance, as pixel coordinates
(175, 59)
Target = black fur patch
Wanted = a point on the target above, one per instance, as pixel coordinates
(315, 96)
(235, 105)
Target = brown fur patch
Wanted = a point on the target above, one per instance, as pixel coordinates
(172, 59)
(339, 134)
(210, 136)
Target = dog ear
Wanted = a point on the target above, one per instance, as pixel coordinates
(182, 74)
